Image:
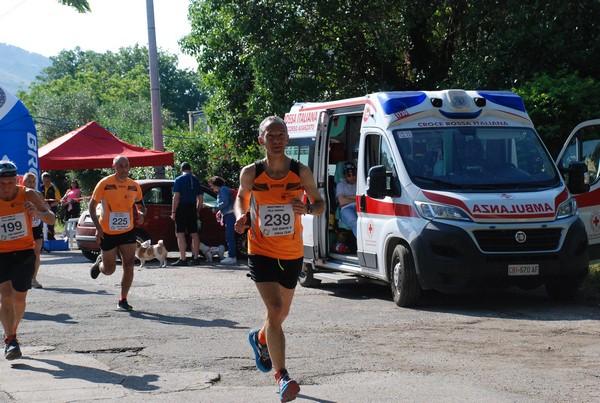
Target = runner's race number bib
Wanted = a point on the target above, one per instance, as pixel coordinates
(13, 227)
(276, 220)
(119, 221)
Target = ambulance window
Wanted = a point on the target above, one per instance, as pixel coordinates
(585, 147)
(378, 152)
(301, 149)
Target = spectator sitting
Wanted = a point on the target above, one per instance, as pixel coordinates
(346, 196)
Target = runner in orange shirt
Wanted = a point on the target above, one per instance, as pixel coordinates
(272, 190)
(18, 207)
(121, 202)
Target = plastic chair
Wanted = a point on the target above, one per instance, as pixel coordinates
(70, 229)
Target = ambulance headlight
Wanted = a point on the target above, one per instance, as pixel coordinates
(432, 211)
(567, 209)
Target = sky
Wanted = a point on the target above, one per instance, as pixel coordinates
(46, 27)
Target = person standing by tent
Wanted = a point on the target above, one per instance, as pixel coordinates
(30, 181)
(121, 199)
(52, 196)
(71, 201)
(18, 206)
(272, 190)
(224, 211)
(188, 199)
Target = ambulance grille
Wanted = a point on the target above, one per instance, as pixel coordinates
(506, 240)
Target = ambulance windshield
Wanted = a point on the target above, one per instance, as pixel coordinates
(481, 158)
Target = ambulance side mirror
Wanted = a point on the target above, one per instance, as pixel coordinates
(578, 177)
(378, 183)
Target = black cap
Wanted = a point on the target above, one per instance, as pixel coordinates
(349, 167)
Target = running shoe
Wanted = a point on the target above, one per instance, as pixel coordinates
(123, 305)
(35, 284)
(195, 262)
(95, 270)
(180, 262)
(288, 389)
(261, 352)
(229, 260)
(12, 350)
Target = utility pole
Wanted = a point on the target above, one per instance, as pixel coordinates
(157, 133)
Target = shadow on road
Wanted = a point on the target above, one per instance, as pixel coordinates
(63, 370)
(60, 318)
(186, 321)
(510, 303)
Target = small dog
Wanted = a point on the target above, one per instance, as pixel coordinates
(145, 251)
(210, 251)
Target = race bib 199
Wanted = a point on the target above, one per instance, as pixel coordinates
(119, 221)
(276, 220)
(13, 227)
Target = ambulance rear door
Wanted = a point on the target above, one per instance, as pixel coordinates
(583, 145)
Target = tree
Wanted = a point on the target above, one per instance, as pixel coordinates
(557, 103)
(259, 57)
(112, 88)
(80, 5)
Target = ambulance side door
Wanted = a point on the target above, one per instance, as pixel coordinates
(374, 218)
(583, 144)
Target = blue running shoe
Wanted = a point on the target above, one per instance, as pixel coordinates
(261, 353)
(288, 389)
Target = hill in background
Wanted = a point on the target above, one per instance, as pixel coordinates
(18, 67)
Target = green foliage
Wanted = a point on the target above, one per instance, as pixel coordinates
(257, 58)
(558, 103)
(81, 86)
(114, 90)
(80, 5)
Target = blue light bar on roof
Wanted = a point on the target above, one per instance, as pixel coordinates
(504, 98)
(394, 102)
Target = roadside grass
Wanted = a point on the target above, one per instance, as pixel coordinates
(590, 287)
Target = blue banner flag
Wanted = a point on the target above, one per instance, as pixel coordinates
(18, 138)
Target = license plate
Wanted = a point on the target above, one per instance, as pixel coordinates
(523, 269)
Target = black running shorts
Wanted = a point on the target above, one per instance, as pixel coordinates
(38, 232)
(112, 241)
(265, 269)
(18, 267)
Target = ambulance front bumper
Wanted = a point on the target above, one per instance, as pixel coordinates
(449, 259)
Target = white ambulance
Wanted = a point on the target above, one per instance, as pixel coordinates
(455, 191)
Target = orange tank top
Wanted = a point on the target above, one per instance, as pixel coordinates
(15, 224)
(275, 230)
(117, 199)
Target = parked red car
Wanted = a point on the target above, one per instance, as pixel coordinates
(157, 194)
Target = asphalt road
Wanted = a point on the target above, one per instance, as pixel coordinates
(187, 341)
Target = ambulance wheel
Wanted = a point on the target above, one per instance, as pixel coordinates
(406, 290)
(307, 278)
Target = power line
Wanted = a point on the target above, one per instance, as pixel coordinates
(70, 126)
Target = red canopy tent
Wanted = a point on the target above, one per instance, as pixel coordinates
(92, 146)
